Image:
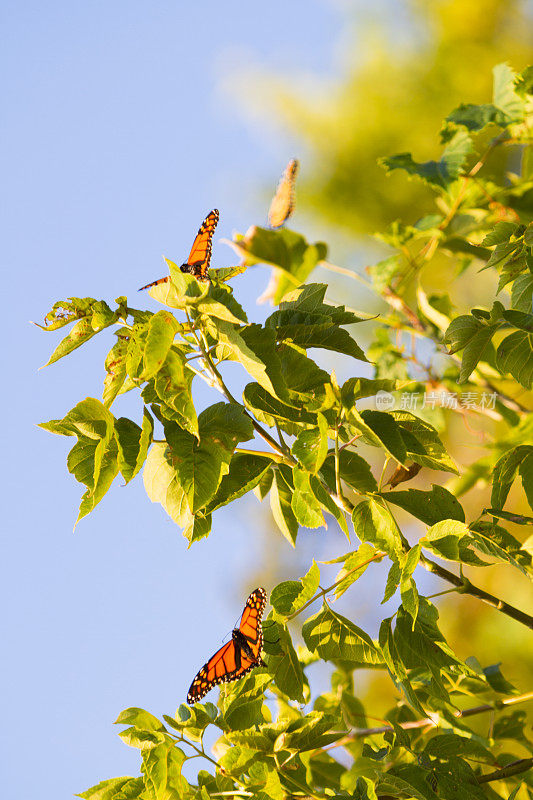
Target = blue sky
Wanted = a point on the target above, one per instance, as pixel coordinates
(121, 131)
(118, 138)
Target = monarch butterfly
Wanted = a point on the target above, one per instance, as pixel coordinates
(238, 657)
(282, 204)
(200, 256)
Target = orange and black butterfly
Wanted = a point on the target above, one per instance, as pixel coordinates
(200, 256)
(282, 204)
(238, 657)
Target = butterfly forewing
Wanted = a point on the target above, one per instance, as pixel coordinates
(199, 258)
(236, 658)
(200, 255)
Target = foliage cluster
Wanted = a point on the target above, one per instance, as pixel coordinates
(276, 737)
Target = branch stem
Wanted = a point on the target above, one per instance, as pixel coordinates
(466, 587)
(434, 721)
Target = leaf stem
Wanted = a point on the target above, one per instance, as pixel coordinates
(350, 273)
(337, 463)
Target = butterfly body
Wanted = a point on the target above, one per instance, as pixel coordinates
(236, 658)
(199, 258)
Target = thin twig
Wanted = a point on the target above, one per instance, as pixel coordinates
(434, 721)
(323, 592)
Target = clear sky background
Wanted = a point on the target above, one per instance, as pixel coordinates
(119, 135)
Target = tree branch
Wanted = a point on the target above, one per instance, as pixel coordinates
(466, 587)
(514, 768)
(434, 721)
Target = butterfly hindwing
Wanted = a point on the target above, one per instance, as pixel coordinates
(236, 658)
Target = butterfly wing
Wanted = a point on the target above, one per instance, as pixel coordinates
(155, 283)
(220, 668)
(282, 204)
(200, 255)
(250, 624)
(236, 658)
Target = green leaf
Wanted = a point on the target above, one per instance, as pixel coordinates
(184, 291)
(435, 173)
(139, 718)
(375, 524)
(311, 446)
(335, 638)
(283, 249)
(493, 540)
(200, 465)
(423, 643)
(280, 503)
(505, 472)
(497, 681)
(112, 788)
(515, 355)
(133, 443)
(172, 387)
(245, 472)
(323, 335)
(304, 504)
(505, 97)
(309, 299)
(410, 601)
(430, 507)
(355, 388)
(255, 348)
(518, 519)
(501, 233)
(162, 329)
(393, 581)
(395, 664)
(162, 485)
(328, 504)
(355, 564)
(301, 374)
(267, 409)
(115, 366)
(519, 319)
(380, 430)
(162, 769)
(289, 596)
(353, 469)
(526, 473)
(80, 333)
(522, 293)
(422, 442)
(450, 539)
(284, 665)
(390, 784)
(469, 333)
(364, 789)
(507, 106)
(93, 459)
(312, 732)
(385, 428)
(198, 528)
